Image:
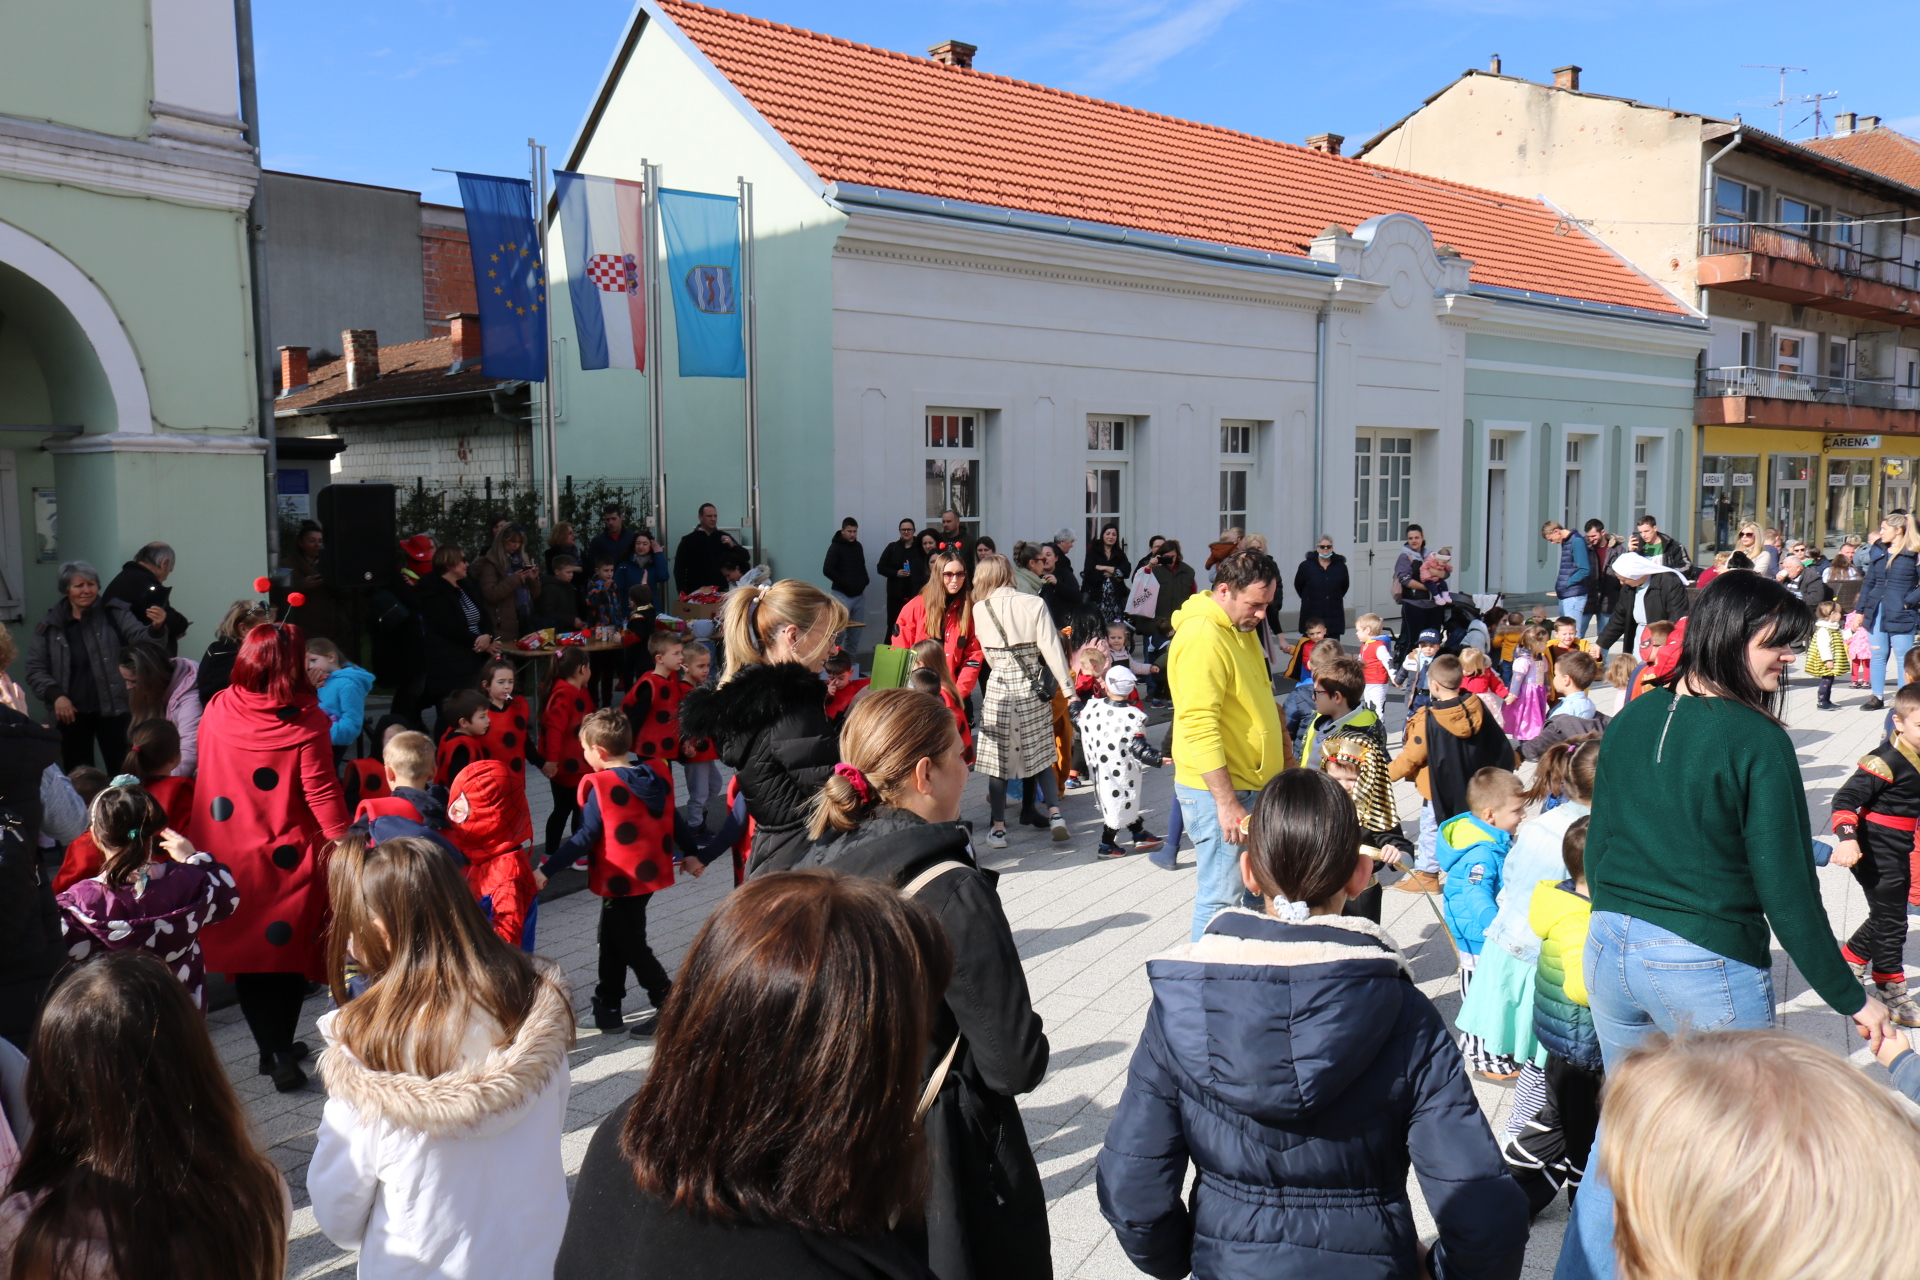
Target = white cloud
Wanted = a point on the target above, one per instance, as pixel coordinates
(1135, 40)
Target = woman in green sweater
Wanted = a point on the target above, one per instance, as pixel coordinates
(1698, 850)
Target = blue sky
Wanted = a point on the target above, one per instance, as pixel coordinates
(383, 91)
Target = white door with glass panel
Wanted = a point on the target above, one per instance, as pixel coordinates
(1108, 442)
(954, 442)
(1382, 509)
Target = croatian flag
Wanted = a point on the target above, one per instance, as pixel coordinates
(600, 219)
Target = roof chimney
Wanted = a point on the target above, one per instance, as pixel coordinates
(953, 53)
(1493, 65)
(464, 341)
(1869, 123)
(1842, 123)
(363, 356)
(1567, 77)
(293, 370)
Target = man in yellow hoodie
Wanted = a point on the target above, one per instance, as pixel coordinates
(1227, 740)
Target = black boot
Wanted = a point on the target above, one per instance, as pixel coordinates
(286, 1072)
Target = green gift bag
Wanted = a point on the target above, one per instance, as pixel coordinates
(889, 667)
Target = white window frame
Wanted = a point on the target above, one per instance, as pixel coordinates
(1238, 462)
(1102, 430)
(974, 454)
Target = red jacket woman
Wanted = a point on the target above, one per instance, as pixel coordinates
(946, 592)
(266, 803)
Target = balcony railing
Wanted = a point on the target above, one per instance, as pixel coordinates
(1800, 243)
(1779, 384)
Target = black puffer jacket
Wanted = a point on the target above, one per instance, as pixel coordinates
(986, 1208)
(769, 723)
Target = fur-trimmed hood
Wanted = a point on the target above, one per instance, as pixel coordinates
(480, 1098)
(757, 698)
(1308, 1008)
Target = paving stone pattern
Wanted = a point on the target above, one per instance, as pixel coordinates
(1085, 929)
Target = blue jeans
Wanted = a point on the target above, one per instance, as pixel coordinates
(1642, 979)
(1217, 885)
(1884, 647)
(1575, 607)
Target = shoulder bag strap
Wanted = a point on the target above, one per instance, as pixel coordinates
(939, 1076)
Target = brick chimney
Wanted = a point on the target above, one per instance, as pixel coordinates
(362, 347)
(1567, 77)
(1842, 123)
(953, 53)
(293, 370)
(1493, 64)
(1327, 142)
(464, 341)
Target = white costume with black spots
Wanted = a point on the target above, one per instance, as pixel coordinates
(1109, 729)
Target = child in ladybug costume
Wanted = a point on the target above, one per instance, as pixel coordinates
(488, 808)
(628, 833)
(568, 706)
(653, 703)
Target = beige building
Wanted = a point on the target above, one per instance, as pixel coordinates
(1807, 408)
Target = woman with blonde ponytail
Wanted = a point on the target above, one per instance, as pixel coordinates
(890, 811)
(767, 716)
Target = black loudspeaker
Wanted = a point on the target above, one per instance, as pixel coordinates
(361, 548)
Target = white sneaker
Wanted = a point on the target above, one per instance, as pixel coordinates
(996, 839)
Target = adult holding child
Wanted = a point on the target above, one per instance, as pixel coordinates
(1704, 764)
(265, 803)
(1227, 738)
(891, 812)
(767, 716)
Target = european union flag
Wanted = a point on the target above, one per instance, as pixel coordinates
(508, 275)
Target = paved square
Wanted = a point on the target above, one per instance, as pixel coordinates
(1086, 929)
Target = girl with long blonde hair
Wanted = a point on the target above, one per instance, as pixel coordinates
(767, 716)
(446, 1077)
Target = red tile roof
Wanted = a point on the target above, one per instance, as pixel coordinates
(1883, 151)
(408, 371)
(857, 114)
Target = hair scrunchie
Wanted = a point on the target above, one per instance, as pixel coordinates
(858, 781)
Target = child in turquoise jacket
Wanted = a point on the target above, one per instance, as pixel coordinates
(1472, 850)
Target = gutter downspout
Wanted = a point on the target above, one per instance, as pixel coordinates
(257, 269)
(1319, 414)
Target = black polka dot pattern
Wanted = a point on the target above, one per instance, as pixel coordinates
(626, 833)
(286, 857)
(221, 809)
(266, 779)
(279, 933)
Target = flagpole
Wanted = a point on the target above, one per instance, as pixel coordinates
(650, 233)
(749, 336)
(537, 156)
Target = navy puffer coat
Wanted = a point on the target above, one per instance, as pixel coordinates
(1890, 590)
(1302, 1071)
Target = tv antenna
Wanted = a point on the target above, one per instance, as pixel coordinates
(1780, 102)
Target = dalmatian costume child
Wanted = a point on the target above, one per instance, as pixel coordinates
(1117, 751)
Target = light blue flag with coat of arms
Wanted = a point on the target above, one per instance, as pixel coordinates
(703, 270)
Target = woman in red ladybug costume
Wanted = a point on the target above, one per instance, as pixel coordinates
(266, 803)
